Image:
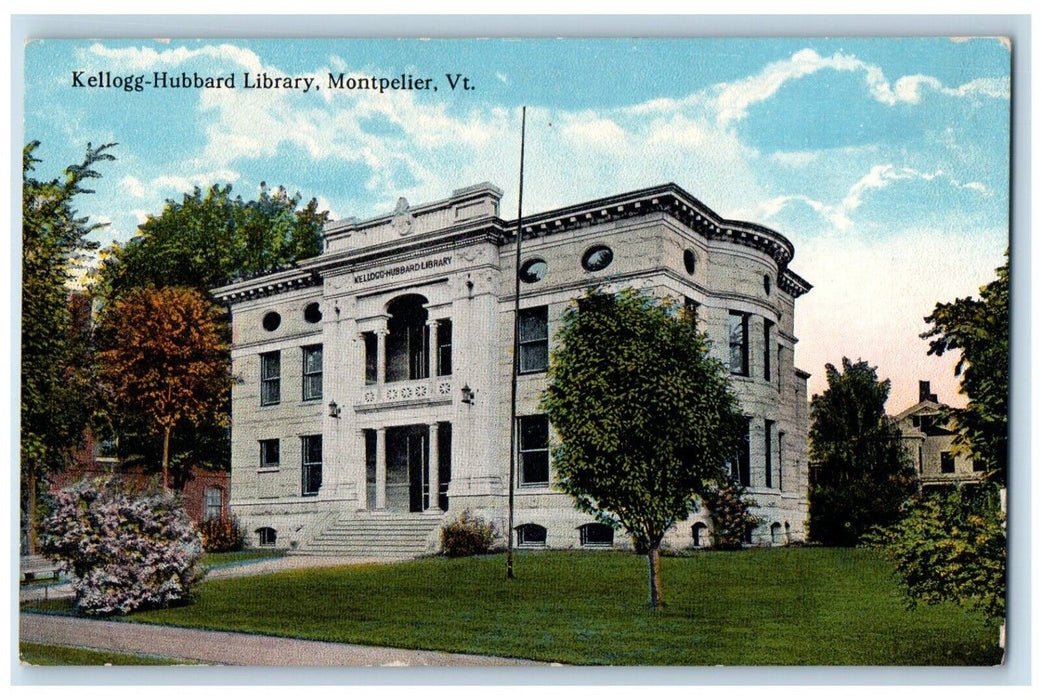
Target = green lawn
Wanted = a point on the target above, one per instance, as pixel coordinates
(760, 606)
(212, 559)
(51, 655)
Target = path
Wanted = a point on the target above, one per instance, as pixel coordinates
(230, 648)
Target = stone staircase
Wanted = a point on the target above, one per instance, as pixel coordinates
(383, 535)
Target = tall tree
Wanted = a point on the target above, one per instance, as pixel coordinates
(202, 241)
(979, 330)
(54, 237)
(164, 358)
(866, 476)
(645, 417)
(210, 237)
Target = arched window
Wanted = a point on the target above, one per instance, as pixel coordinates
(531, 535)
(266, 536)
(700, 534)
(596, 535)
(776, 533)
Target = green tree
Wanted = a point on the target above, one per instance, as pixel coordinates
(645, 416)
(201, 242)
(163, 358)
(951, 546)
(866, 476)
(979, 330)
(53, 382)
(210, 237)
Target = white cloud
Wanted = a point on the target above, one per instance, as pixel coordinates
(794, 159)
(144, 58)
(132, 186)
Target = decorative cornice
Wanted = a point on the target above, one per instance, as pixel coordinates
(669, 199)
(266, 285)
(793, 284)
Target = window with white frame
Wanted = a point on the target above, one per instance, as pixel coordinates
(738, 343)
(213, 503)
(271, 381)
(311, 464)
(534, 450)
(533, 340)
(312, 381)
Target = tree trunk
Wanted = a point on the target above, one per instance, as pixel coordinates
(654, 579)
(166, 459)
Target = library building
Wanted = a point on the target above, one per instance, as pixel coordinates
(375, 397)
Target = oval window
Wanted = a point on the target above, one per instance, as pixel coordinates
(597, 258)
(533, 270)
(689, 261)
(312, 313)
(767, 284)
(271, 321)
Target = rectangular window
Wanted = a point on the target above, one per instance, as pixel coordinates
(781, 348)
(269, 454)
(271, 367)
(311, 464)
(781, 458)
(691, 310)
(978, 465)
(947, 463)
(444, 348)
(739, 466)
(767, 326)
(738, 341)
(213, 503)
(768, 449)
(534, 449)
(312, 372)
(533, 340)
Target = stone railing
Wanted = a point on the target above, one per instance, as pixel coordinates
(434, 390)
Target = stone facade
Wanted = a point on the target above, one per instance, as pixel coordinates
(383, 365)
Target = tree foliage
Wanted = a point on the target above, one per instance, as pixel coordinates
(866, 476)
(951, 546)
(210, 237)
(645, 416)
(163, 358)
(979, 330)
(53, 380)
(122, 550)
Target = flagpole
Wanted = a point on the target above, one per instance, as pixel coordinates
(516, 360)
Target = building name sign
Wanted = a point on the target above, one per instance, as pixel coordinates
(397, 270)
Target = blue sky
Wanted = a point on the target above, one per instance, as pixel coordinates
(885, 161)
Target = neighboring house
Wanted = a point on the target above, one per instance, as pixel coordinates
(204, 496)
(375, 399)
(930, 441)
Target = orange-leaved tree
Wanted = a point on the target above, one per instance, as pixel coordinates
(163, 358)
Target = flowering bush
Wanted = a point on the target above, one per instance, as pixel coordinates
(221, 535)
(122, 551)
(729, 510)
(467, 536)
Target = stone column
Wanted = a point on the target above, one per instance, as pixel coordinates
(433, 468)
(363, 480)
(432, 349)
(381, 360)
(381, 468)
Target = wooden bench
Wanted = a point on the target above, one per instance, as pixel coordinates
(35, 568)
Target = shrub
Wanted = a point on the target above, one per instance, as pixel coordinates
(467, 536)
(222, 534)
(121, 550)
(729, 511)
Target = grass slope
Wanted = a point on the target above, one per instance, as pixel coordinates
(53, 655)
(769, 606)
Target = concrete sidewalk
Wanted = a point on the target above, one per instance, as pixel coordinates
(230, 648)
(61, 589)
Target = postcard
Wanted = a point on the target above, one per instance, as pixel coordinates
(532, 352)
